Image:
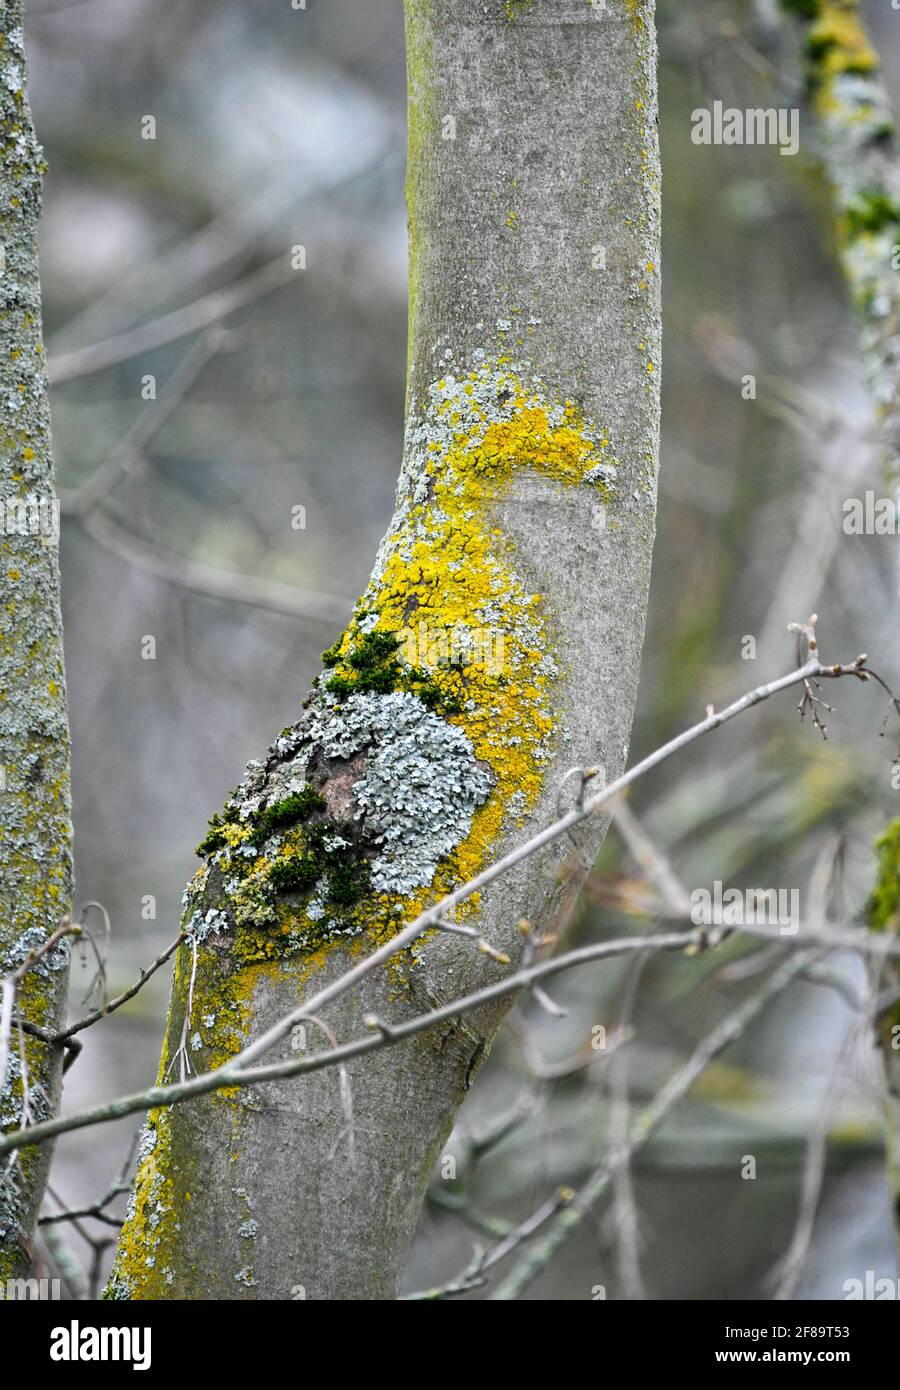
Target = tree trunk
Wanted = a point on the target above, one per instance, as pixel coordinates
(514, 576)
(884, 915)
(860, 155)
(36, 874)
(856, 139)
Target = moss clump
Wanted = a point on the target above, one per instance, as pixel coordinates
(803, 9)
(884, 904)
(297, 875)
(215, 837)
(349, 881)
(298, 806)
(322, 852)
(371, 667)
(871, 211)
(373, 650)
(290, 847)
(826, 51)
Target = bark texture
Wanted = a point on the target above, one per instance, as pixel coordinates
(859, 151)
(498, 645)
(35, 837)
(856, 141)
(884, 915)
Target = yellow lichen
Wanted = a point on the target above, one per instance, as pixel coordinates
(449, 569)
(219, 991)
(838, 41)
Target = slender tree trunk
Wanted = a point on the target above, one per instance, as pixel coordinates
(35, 860)
(855, 137)
(884, 915)
(857, 142)
(514, 576)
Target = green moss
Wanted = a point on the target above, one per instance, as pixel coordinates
(819, 44)
(348, 881)
(884, 904)
(291, 808)
(324, 852)
(290, 847)
(297, 875)
(370, 666)
(308, 852)
(803, 9)
(871, 211)
(296, 807)
(215, 836)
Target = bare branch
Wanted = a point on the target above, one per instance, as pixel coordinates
(732, 1027)
(228, 585)
(180, 323)
(238, 1071)
(386, 1036)
(120, 999)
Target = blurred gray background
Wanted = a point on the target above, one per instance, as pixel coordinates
(278, 128)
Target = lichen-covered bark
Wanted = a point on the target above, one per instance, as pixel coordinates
(498, 644)
(884, 915)
(35, 838)
(860, 152)
(860, 155)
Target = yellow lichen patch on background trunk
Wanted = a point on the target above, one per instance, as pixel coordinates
(838, 41)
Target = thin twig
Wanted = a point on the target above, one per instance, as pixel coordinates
(539, 1255)
(440, 910)
(169, 328)
(476, 1273)
(237, 1071)
(129, 452)
(120, 999)
(175, 1093)
(210, 580)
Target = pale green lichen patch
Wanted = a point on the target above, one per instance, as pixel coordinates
(421, 785)
(884, 905)
(884, 915)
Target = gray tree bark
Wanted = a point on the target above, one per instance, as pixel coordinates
(35, 859)
(515, 576)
